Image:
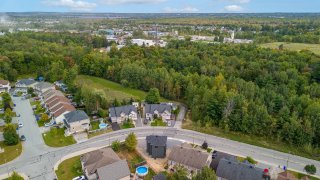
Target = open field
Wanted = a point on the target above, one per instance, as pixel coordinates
(111, 89)
(269, 143)
(315, 48)
(69, 169)
(10, 152)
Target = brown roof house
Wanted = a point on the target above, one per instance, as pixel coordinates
(190, 158)
(104, 164)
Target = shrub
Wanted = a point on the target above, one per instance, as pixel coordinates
(115, 145)
(310, 169)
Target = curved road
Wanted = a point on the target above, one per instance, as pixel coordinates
(41, 166)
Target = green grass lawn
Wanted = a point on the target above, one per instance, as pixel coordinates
(158, 122)
(95, 125)
(55, 138)
(69, 169)
(315, 48)
(265, 142)
(127, 125)
(15, 176)
(300, 175)
(112, 90)
(10, 152)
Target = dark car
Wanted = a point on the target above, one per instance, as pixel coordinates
(22, 138)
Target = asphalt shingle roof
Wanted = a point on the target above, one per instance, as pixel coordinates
(157, 140)
(114, 171)
(26, 82)
(116, 111)
(74, 116)
(150, 108)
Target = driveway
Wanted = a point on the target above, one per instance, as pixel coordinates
(181, 115)
(34, 145)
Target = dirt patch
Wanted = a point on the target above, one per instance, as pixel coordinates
(158, 165)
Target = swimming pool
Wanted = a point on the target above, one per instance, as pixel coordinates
(103, 125)
(142, 170)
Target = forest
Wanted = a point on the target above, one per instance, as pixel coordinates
(242, 88)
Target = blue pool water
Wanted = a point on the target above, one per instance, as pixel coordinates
(103, 125)
(142, 170)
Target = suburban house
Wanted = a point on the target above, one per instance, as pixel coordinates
(22, 85)
(232, 169)
(42, 87)
(4, 86)
(162, 111)
(59, 112)
(192, 159)
(76, 121)
(122, 113)
(156, 146)
(217, 156)
(104, 164)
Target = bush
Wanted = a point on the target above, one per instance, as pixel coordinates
(115, 145)
(10, 135)
(205, 145)
(310, 169)
(250, 160)
(102, 112)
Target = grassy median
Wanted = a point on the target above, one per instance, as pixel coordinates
(10, 152)
(69, 169)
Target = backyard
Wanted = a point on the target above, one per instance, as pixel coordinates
(55, 138)
(112, 90)
(315, 48)
(10, 152)
(69, 169)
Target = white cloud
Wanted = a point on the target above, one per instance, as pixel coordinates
(132, 1)
(233, 8)
(73, 5)
(187, 9)
(237, 1)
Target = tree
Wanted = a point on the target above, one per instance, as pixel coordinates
(10, 135)
(131, 142)
(8, 116)
(115, 145)
(179, 174)
(153, 96)
(281, 47)
(310, 169)
(44, 117)
(205, 174)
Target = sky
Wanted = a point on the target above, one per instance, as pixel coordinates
(160, 6)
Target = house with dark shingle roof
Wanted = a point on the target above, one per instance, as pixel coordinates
(42, 87)
(156, 146)
(192, 159)
(76, 121)
(122, 113)
(104, 164)
(232, 169)
(162, 111)
(4, 86)
(23, 84)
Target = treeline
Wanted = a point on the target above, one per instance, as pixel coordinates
(242, 88)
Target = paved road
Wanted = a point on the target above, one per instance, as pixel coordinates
(41, 166)
(34, 145)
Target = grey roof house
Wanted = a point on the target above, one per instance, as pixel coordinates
(104, 164)
(216, 157)
(235, 170)
(156, 146)
(42, 87)
(191, 158)
(122, 113)
(76, 121)
(162, 111)
(24, 84)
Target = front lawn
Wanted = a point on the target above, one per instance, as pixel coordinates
(55, 138)
(127, 125)
(69, 169)
(300, 175)
(10, 152)
(158, 122)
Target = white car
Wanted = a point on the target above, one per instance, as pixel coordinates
(79, 178)
(20, 125)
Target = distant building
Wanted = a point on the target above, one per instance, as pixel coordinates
(162, 111)
(156, 146)
(104, 164)
(76, 121)
(42, 87)
(4, 86)
(122, 113)
(148, 43)
(22, 85)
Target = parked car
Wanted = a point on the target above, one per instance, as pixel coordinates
(20, 125)
(22, 138)
(79, 178)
